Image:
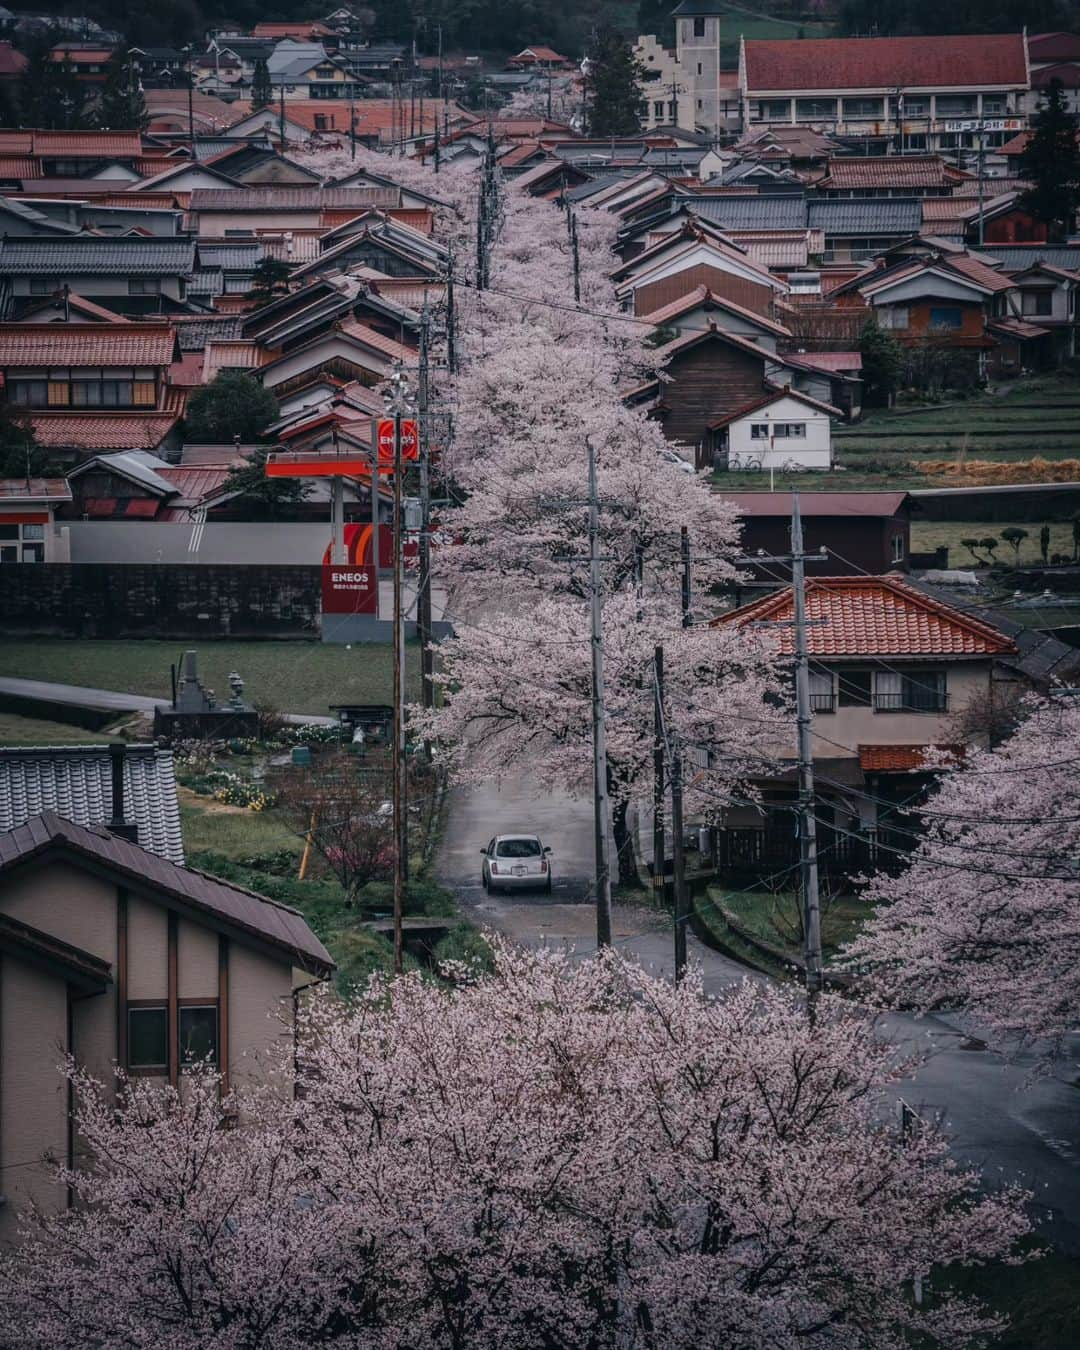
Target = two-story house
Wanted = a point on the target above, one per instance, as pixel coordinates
(132, 273)
(890, 666)
(892, 94)
(113, 952)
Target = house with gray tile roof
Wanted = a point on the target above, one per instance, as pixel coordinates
(134, 274)
(81, 784)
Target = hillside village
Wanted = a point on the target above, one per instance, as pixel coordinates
(458, 511)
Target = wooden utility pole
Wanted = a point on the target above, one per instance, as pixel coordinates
(601, 809)
(423, 592)
(808, 863)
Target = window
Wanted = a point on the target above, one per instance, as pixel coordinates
(916, 142)
(994, 105)
(42, 286)
(806, 108)
(658, 108)
(759, 431)
(855, 688)
(22, 543)
(519, 848)
(946, 316)
(909, 105)
(864, 107)
(699, 67)
(894, 316)
(898, 548)
(790, 430)
(144, 286)
(957, 105)
(198, 1033)
(148, 1038)
(822, 697)
(1038, 302)
(699, 27)
(910, 691)
(30, 393)
(775, 109)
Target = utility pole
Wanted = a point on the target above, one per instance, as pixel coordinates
(600, 787)
(684, 554)
(808, 862)
(397, 404)
(281, 117)
(451, 332)
(577, 257)
(423, 593)
(659, 848)
(982, 143)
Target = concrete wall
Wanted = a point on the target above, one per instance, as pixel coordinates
(162, 600)
(232, 542)
(260, 1009)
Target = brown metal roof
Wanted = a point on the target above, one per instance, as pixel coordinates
(267, 920)
(819, 503)
(79, 967)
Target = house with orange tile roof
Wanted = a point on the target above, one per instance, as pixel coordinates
(891, 667)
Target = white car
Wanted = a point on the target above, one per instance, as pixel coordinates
(516, 862)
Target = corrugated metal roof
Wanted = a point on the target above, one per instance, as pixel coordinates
(238, 257)
(76, 781)
(35, 489)
(885, 504)
(873, 215)
(138, 465)
(264, 919)
(86, 344)
(131, 255)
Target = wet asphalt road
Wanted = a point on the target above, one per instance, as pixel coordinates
(1010, 1126)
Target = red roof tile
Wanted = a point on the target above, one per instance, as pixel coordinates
(908, 171)
(88, 144)
(875, 616)
(12, 166)
(891, 758)
(12, 62)
(86, 344)
(962, 62)
(103, 431)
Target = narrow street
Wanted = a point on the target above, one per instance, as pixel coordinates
(1011, 1128)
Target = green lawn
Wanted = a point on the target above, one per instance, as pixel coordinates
(16, 730)
(295, 677)
(927, 535)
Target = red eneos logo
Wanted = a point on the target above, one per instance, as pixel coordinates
(410, 439)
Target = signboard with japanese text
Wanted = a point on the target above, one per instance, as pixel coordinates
(348, 588)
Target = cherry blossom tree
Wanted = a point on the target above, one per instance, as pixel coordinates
(519, 697)
(561, 1154)
(987, 914)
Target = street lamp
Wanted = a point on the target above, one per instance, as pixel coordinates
(399, 399)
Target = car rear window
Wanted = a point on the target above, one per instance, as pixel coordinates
(519, 848)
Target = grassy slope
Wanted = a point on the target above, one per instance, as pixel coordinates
(931, 534)
(298, 677)
(15, 730)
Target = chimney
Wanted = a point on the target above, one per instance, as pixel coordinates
(117, 824)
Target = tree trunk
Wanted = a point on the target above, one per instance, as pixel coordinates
(624, 845)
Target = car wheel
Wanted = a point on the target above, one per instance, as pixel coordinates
(485, 882)
(547, 885)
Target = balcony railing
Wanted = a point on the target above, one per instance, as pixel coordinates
(912, 701)
(823, 703)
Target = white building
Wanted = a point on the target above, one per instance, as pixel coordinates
(785, 430)
(669, 95)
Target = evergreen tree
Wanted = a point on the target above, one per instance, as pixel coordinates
(1051, 161)
(270, 278)
(20, 454)
(882, 361)
(274, 495)
(613, 79)
(262, 92)
(233, 405)
(122, 106)
(51, 98)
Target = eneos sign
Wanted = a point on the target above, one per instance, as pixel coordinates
(410, 439)
(348, 589)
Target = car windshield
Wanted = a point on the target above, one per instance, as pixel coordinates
(519, 848)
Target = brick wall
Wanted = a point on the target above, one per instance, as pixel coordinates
(174, 600)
